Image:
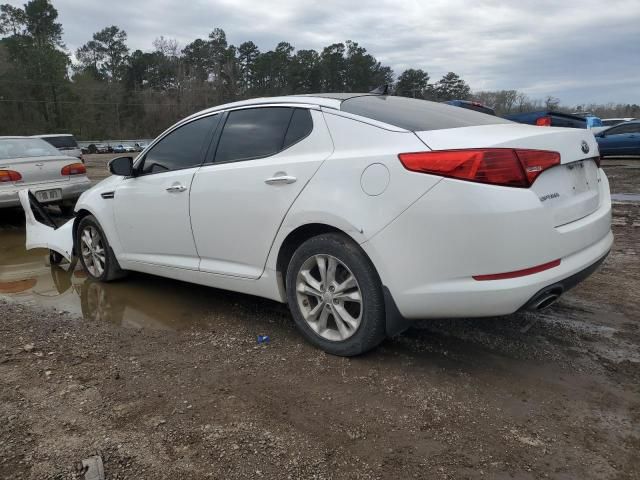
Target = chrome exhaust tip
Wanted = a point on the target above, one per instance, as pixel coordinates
(545, 301)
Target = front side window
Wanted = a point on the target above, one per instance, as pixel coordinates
(182, 148)
(619, 130)
(261, 132)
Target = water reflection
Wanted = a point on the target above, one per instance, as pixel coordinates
(139, 301)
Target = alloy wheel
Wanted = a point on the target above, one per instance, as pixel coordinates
(329, 297)
(92, 251)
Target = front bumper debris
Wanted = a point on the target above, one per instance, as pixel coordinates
(42, 230)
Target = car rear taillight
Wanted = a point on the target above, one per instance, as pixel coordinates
(518, 273)
(9, 176)
(544, 122)
(73, 169)
(496, 166)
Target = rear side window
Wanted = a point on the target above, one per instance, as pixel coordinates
(253, 133)
(63, 141)
(182, 148)
(414, 114)
(301, 125)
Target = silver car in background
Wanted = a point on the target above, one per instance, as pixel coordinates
(65, 143)
(30, 162)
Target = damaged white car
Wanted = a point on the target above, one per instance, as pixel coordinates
(362, 212)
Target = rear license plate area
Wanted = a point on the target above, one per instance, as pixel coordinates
(48, 196)
(580, 178)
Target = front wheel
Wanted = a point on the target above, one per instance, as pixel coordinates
(94, 251)
(335, 295)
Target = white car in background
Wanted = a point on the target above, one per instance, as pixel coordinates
(610, 122)
(65, 143)
(362, 212)
(54, 178)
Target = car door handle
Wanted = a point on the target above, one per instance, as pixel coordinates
(280, 180)
(176, 188)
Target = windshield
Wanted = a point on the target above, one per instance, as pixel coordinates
(416, 115)
(63, 141)
(25, 147)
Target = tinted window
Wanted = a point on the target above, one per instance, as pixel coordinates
(253, 133)
(63, 141)
(300, 126)
(182, 148)
(628, 128)
(414, 114)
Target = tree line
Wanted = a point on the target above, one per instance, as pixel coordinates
(109, 91)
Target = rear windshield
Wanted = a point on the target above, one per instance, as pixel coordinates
(63, 141)
(25, 147)
(416, 115)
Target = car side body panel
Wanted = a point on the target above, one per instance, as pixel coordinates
(365, 158)
(237, 200)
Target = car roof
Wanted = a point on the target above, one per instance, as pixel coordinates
(49, 135)
(328, 100)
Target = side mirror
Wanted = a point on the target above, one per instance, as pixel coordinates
(121, 166)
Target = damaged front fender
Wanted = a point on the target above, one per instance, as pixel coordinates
(45, 233)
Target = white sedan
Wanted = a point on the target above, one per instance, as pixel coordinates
(54, 177)
(362, 212)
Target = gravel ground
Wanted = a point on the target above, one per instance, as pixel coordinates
(555, 395)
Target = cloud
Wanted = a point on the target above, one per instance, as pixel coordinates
(577, 50)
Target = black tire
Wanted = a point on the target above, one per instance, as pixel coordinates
(371, 331)
(111, 270)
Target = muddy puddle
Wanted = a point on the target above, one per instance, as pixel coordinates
(139, 301)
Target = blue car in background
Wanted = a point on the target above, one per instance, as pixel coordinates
(593, 121)
(476, 106)
(622, 139)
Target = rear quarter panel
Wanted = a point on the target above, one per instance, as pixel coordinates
(335, 196)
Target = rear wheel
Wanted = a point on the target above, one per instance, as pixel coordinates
(94, 251)
(335, 295)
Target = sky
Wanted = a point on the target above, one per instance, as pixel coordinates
(580, 51)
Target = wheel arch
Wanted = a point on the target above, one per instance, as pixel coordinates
(395, 323)
(292, 241)
(82, 213)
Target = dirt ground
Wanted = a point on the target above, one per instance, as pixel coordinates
(166, 381)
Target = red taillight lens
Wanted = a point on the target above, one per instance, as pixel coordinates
(535, 162)
(9, 176)
(518, 273)
(496, 166)
(544, 122)
(73, 169)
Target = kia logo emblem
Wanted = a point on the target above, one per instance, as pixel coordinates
(585, 147)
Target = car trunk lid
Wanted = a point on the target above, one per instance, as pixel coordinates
(570, 190)
(36, 170)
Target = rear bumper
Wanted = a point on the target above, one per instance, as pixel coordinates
(427, 257)
(558, 288)
(71, 190)
(469, 298)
